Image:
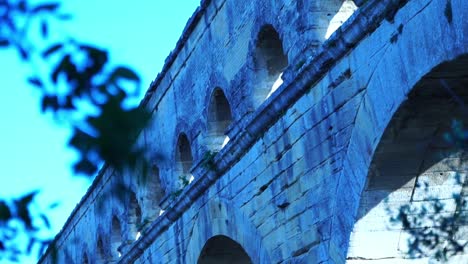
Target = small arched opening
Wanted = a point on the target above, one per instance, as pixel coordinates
(219, 119)
(223, 250)
(116, 238)
(133, 217)
(85, 259)
(101, 256)
(184, 160)
(152, 195)
(270, 61)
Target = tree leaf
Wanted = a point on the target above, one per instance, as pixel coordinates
(27, 198)
(125, 73)
(47, 7)
(52, 49)
(5, 212)
(45, 220)
(44, 29)
(49, 102)
(23, 52)
(54, 205)
(64, 17)
(31, 243)
(85, 166)
(36, 82)
(66, 60)
(22, 6)
(4, 42)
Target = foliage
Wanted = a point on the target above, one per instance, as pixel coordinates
(208, 160)
(184, 181)
(22, 226)
(81, 87)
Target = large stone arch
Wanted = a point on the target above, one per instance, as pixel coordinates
(223, 250)
(400, 68)
(219, 218)
(413, 163)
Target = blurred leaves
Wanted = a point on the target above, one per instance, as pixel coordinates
(82, 87)
(21, 228)
(458, 135)
(109, 135)
(5, 212)
(46, 7)
(50, 50)
(81, 82)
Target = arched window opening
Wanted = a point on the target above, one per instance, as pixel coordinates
(223, 250)
(153, 194)
(184, 161)
(219, 118)
(134, 217)
(270, 62)
(101, 256)
(116, 238)
(414, 165)
(85, 259)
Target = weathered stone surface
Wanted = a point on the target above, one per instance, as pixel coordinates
(309, 170)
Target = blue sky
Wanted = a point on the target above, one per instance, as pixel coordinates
(33, 152)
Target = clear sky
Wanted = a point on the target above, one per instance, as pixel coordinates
(33, 152)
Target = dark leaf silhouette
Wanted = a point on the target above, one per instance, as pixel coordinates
(23, 52)
(46, 7)
(36, 82)
(5, 212)
(44, 29)
(79, 73)
(52, 49)
(125, 73)
(31, 243)
(45, 220)
(54, 205)
(49, 102)
(4, 42)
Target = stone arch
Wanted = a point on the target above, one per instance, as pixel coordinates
(116, 238)
(385, 91)
(412, 163)
(218, 218)
(183, 159)
(223, 250)
(219, 117)
(270, 60)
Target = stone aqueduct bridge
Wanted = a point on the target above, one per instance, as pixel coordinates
(313, 137)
